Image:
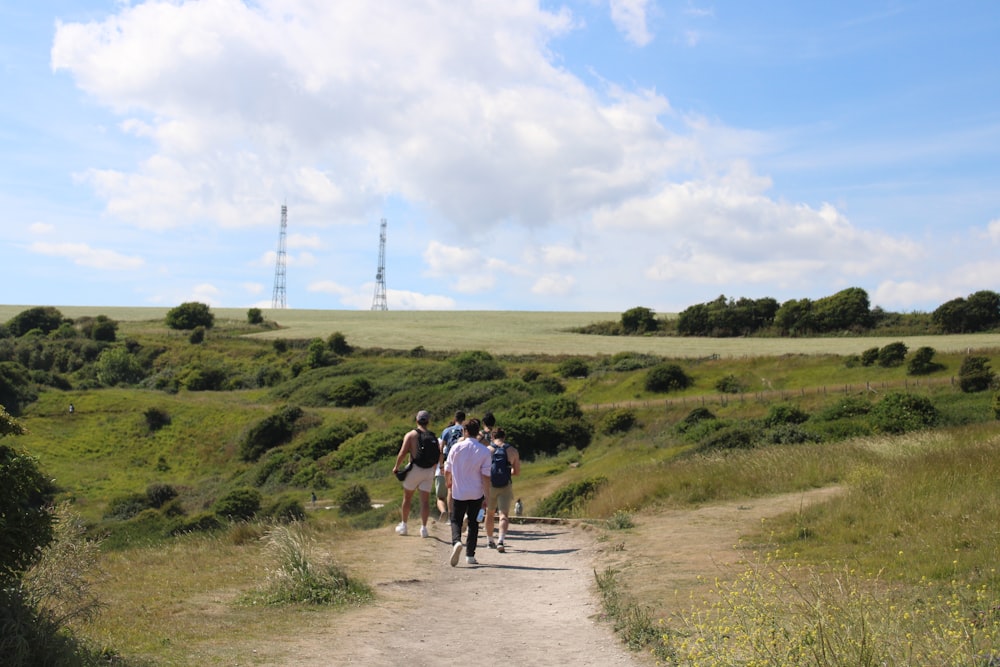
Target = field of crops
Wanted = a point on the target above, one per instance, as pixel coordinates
(517, 332)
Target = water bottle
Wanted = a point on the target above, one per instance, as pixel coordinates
(481, 515)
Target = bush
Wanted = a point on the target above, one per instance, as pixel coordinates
(695, 417)
(354, 500)
(42, 318)
(869, 356)
(25, 494)
(338, 344)
(270, 432)
(549, 385)
(355, 392)
(238, 505)
(199, 523)
(784, 414)
(666, 377)
(790, 434)
(729, 384)
(197, 336)
(921, 363)
(156, 418)
(735, 436)
(286, 510)
(158, 495)
(617, 421)
(569, 498)
(900, 413)
(190, 315)
(892, 355)
(255, 316)
(975, 375)
(122, 508)
(477, 366)
(573, 368)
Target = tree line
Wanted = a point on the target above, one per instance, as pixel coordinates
(847, 311)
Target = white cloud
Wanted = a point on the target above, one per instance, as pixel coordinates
(629, 16)
(41, 228)
(993, 230)
(84, 255)
(205, 293)
(552, 284)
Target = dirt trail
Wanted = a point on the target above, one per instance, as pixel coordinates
(534, 605)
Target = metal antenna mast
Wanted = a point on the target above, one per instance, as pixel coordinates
(278, 297)
(378, 302)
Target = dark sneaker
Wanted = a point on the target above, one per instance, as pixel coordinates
(490, 545)
(500, 548)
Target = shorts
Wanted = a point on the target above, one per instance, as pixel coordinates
(440, 487)
(501, 498)
(419, 478)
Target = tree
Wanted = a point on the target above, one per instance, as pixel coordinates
(795, 317)
(639, 320)
(190, 315)
(116, 366)
(950, 316)
(25, 494)
(43, 318)
(921, 363)
(255, 316)
(666, 377)
(845, 310)
(892, 354)
(975, 375)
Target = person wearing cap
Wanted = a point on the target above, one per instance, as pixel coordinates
(422, 448)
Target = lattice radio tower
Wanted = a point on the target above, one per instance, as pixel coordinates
(278, 297)
(378, 302)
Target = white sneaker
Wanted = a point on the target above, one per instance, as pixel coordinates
(423, 531)
(401, 528)
(471, 560)
(456, 551)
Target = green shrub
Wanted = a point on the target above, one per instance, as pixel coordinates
(694, 417)
(569, 498)
(790, 434)
(366, 448)
(338, 344)
(619, 420)
(354, 500)
(353, 393)
(530, 374)
(25, 494)
(869, 356)
(666, 377)
(900, 412)
(286, 510)
(190, 315)
(573, 368)
(921, 363)
(892, 354)
(197, 335)
(632, 361)
(272, 431)
(156, 418)
(42, 318)
(549, 385)
(157, 495)
(238, 505)
(477, 366)
(850, 406)
(975, 375)
(325, 439)
(784, 414)
(122, 508)
(741, 435)
(255, 316)
(729, 384)
(205, 522)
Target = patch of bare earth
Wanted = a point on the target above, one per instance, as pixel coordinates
(536, 604)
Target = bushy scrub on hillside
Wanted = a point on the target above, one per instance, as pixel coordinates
(270, 432)
(619, 420)
(573, 368)
(900, 412)
(477, 366)
(729, 384)
(667, 377)
(354, 499)
(328, 437)
(784, 414)
(239, 504)
(567, 499)
(190, 315)
(975, 374)
(354, 392)
(365, 449)
(546, 426)
(623, 362)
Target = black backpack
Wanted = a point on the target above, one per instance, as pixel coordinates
(500, 467)
(428, 451)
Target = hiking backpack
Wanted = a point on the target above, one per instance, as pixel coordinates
(500, 467)
(428, 451)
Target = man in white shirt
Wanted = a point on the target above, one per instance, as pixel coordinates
(467, 474)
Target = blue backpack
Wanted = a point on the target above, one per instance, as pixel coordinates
(500, 467)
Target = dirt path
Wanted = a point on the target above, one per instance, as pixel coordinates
(539, 597)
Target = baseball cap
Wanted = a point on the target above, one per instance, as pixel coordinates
(423, 417)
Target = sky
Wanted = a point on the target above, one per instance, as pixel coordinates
(586, 155)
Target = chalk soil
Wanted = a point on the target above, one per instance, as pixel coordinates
(534, 605)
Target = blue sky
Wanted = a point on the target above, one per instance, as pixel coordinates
(587, 155)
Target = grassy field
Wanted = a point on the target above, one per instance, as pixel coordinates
(520, 332)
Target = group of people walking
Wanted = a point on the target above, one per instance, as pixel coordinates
(471, 477)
